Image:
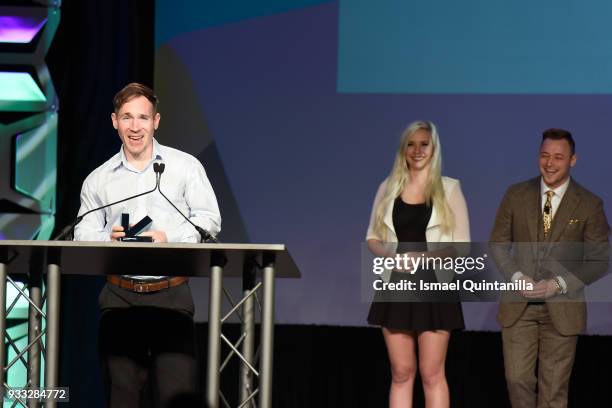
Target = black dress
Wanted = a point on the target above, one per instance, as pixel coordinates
(410, 222)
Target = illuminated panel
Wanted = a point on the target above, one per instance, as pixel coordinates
(20, 25)
(19, 92)
(28, 139)
(36, 162)
(19, 30)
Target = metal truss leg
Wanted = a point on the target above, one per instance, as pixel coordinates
(53, 310)
(248, 331)
(214, 337)
(267, 334)
(34, 329)
(3, 275)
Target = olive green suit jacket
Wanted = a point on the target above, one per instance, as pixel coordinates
(576, 249)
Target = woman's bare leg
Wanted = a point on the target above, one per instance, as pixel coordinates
(401, 346)
(432, 356)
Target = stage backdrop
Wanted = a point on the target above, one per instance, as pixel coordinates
(295, 108)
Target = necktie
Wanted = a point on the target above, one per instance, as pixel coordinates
(547, 214)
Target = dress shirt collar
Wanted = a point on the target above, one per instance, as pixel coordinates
(120, 159)
(559, 191)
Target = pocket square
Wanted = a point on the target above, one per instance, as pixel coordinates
(574, 221)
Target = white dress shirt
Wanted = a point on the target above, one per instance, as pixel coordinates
(559, 192)
(184, 182)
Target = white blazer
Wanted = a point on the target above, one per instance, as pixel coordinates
(433, 232)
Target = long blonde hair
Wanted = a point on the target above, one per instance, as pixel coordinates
(399, 176)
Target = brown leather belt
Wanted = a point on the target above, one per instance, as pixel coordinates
(145, 287)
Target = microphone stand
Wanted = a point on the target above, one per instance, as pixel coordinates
(69, 228)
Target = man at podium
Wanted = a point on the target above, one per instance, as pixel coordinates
(146, 334)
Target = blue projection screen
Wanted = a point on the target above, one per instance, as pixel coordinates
(296, 108)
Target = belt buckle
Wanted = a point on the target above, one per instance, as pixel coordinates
(140, 287)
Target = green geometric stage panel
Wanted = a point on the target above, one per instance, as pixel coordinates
(28, 151)
(20, 93)
(26, 226)
(36, 163)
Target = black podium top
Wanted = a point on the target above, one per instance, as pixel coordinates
(123, 258)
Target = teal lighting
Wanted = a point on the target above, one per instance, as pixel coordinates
(19, 92)
(36, 163)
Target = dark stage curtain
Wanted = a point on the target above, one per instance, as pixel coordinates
(99, 47)
(323, 366)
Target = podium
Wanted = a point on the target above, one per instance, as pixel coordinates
(216, 261)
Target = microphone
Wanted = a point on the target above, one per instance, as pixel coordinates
(69, 228)
(205, 236)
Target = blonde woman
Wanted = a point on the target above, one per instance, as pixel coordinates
(416, 204)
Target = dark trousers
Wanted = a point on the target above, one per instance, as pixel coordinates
(148, 357)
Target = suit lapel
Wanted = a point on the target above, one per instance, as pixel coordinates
(566, 209)
(532, 209)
